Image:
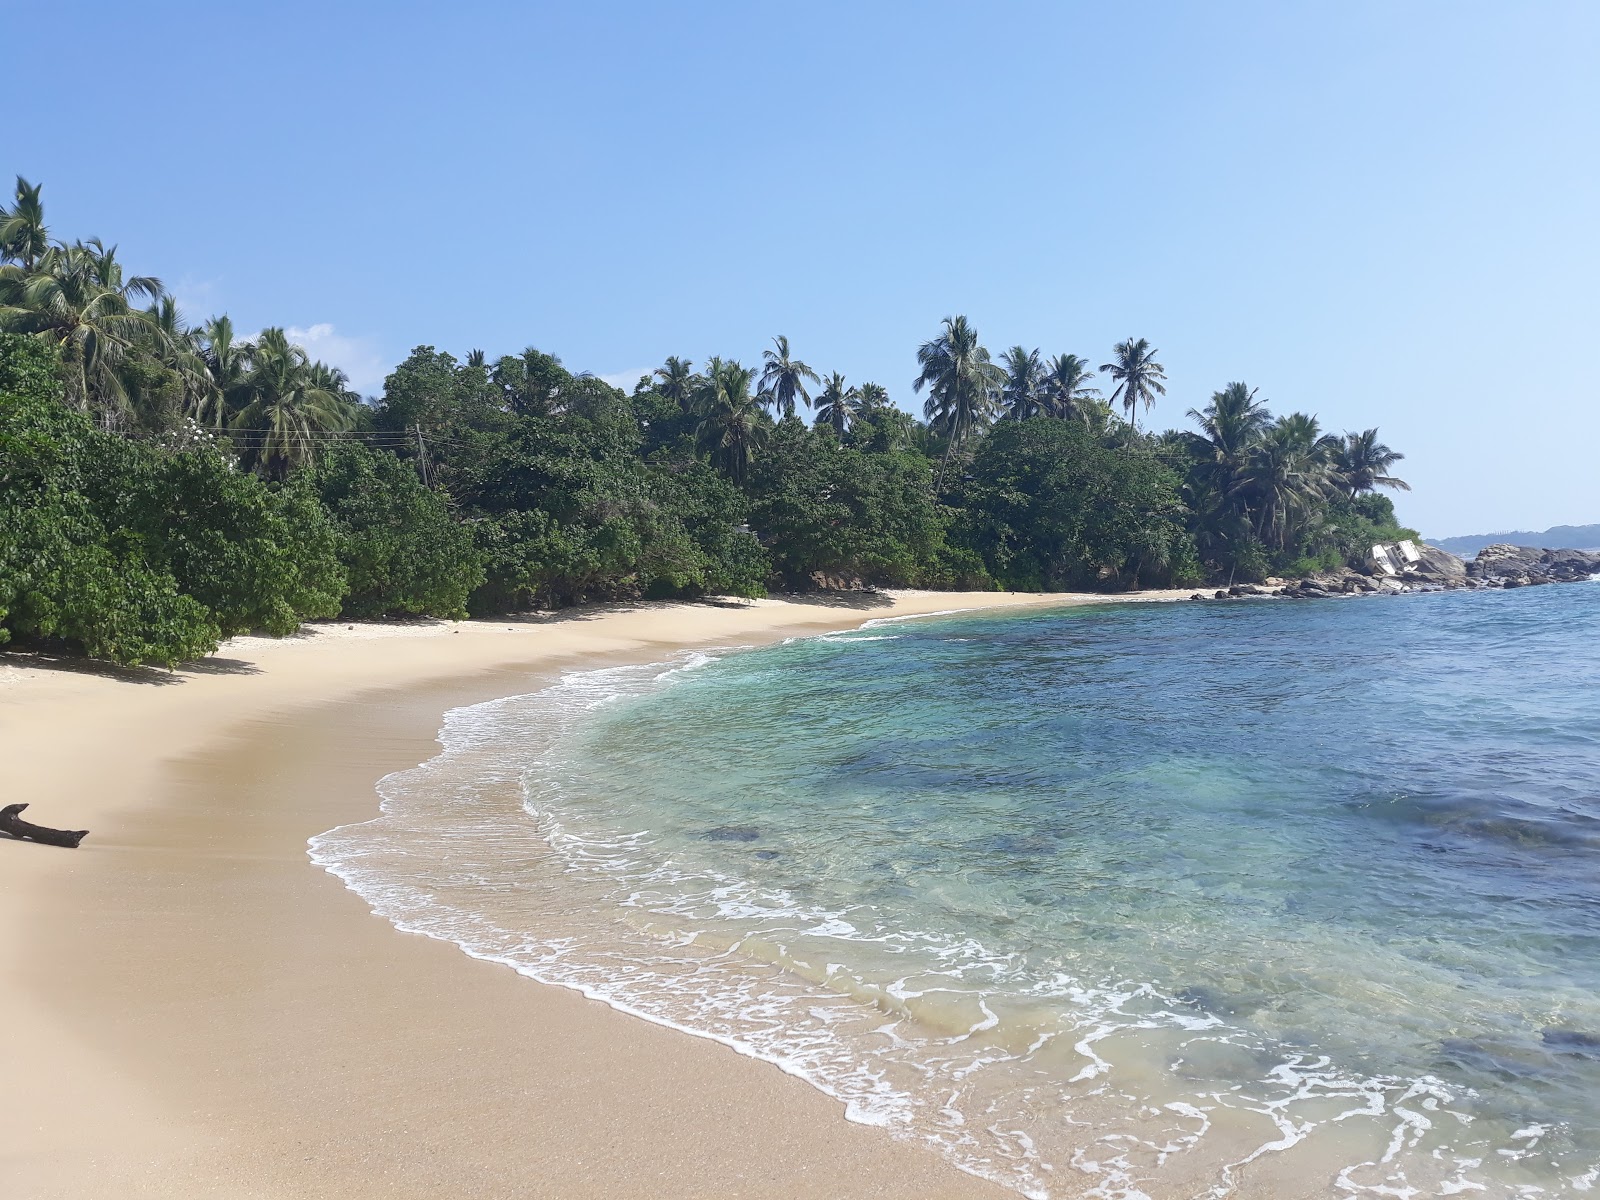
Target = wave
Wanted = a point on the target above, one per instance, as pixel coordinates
(1027, 1077)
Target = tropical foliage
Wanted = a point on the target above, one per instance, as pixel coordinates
(164, 485)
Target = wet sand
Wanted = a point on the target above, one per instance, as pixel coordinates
(193, 1009)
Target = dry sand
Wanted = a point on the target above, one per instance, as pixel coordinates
(192, 1009)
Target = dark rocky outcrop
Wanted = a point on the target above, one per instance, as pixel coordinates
(1499, 566)
(1505, 565)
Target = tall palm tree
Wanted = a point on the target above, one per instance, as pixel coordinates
(177, 347)
(732, 429)
(1230, 428)
(290, 404)
(23, 236)
(477, 360)
(1022, 394)
(227, 362)
(1066, 390)
(79, 299)
(837, 405)
(1364, 463)
(1140, 378)
(961, 383)
(1288, 476)
(677, 382)
(783, 378)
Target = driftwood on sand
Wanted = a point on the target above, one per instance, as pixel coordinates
(12, 825)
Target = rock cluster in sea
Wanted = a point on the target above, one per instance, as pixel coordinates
(1504, 565)
(1498, 566)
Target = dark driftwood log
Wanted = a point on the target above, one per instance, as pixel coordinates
(14, 826)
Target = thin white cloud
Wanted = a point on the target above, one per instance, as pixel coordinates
(626, 379)
(357, 357)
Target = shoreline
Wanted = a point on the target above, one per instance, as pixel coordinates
(181, 976)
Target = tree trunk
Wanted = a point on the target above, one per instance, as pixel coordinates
(12, 825)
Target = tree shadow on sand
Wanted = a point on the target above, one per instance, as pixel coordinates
(859, 601)
(72, 664)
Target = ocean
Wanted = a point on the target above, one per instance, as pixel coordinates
(1254, 898)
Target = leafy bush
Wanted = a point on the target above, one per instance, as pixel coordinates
(401, 550)
(63, 573)
(256, 555)
(1048, 507)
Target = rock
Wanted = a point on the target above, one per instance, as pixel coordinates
(1570, 1040)
(1440, 563)
(732, 833)
(1529, 565)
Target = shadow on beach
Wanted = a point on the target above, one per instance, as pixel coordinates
(860, 601)
(44, 658)
(48, 660)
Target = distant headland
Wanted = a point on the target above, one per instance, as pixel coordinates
(1566, 537)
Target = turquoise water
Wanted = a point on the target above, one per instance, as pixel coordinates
(1255, 898)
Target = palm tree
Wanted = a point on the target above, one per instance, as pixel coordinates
(838, 405)
(1139, 376)
(1230, 428)
(291, 404)
(677, 382)
(1364, 463)
(732, 429)
(477, 360)
(178, 349)
(876, 424)
(227, 364)
(78, 299)
(1066, 393)
(1288, 476)
(1022, 394)
(961, 383)
(23, 236)
(531, 382)
(783, 378)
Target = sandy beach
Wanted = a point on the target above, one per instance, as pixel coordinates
(194, 1009)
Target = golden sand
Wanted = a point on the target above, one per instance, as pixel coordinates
(191, 1009)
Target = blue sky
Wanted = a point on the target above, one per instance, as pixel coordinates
(1384, 214)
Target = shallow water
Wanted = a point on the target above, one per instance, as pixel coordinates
(1254, 898)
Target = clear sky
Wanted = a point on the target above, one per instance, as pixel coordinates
(1384, 214)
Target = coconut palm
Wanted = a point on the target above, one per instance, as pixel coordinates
(1364, 463)
(1066, 390)
(79, 299)
(783, 378)
(677, 382)
(837, 405)
(1022, 394)
(1288, 476)
(531, 382)
(227, 363)
(477, 360)
(732, 429)
(1230, 427)
(1140, 378)
(177, 347)
(23, 236)
(961, 383)
(290, 405)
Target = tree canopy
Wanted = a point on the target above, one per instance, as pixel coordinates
(164, 485)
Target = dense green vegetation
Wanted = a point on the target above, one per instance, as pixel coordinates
(164, 485)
